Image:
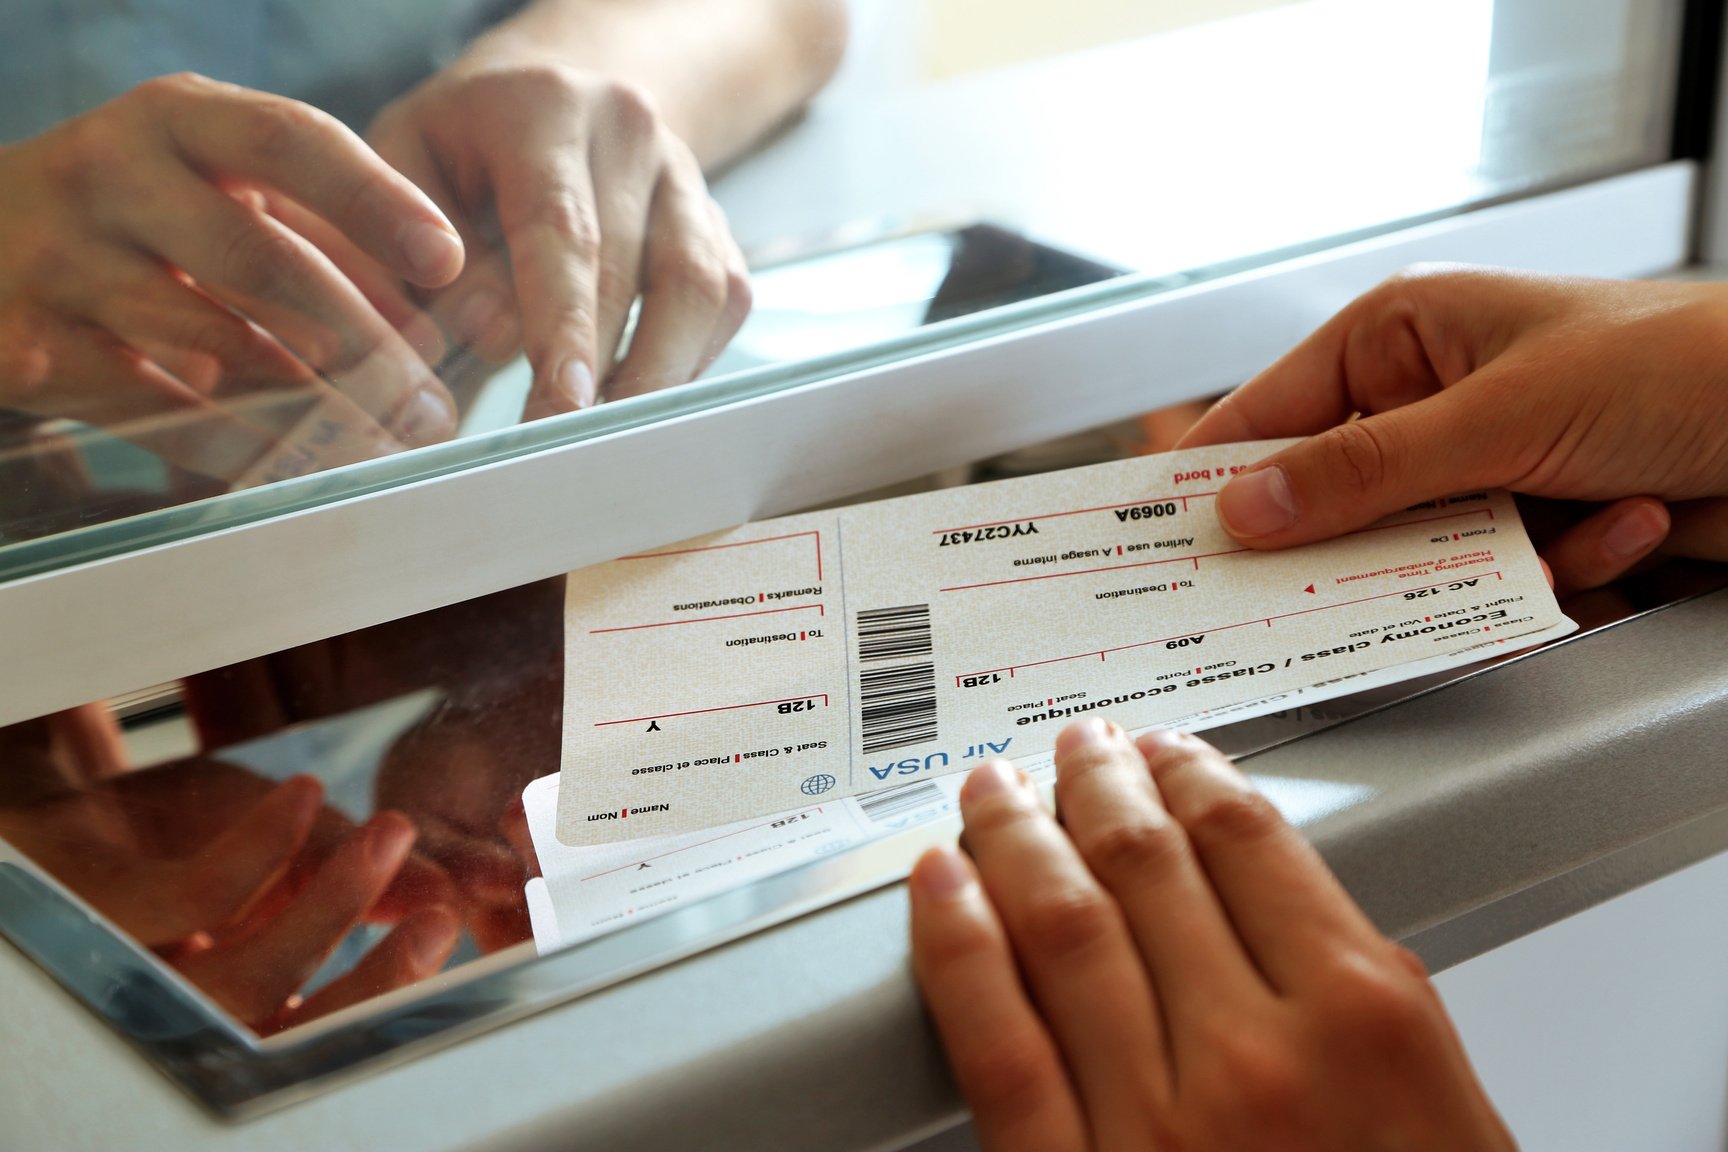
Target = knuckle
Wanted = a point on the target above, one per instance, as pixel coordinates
(261, 260)
(630, 109)
(543, 77)
(1268, 1084)
(740, 295)
(278, 128)
(206, 336)
(172, 88)
(617, 283)
(81, 164)
(1129, 851)
(951, 947)
(699, 278)
(1068, 921)
(25, 366)
(1234, 819)
(1374, 1007)
(1355, 456)
(1007, 1080)
(570, 220)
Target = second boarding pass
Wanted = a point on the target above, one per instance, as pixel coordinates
(832, 653)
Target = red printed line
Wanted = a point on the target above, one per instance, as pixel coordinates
(1091, 571)
(1267, 620)
(823, 696)
(1076, 512)
(704, 619)
(1489, 512)
(735, 544)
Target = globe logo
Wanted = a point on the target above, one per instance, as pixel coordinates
(817, 784)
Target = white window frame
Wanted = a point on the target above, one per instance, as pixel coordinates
(113, 625)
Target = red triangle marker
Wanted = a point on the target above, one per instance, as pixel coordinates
(1310, 588)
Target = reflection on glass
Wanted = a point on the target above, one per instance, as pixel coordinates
(301, 832)
(209, 282)
(204, 290)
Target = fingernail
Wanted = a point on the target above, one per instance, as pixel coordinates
(1167, 737)
(426, 418)
(478, 316)
(1257, 503)
(990, 778)
(575, 381)
(1635, 533)
(942, 873)
(430, 938)
(1088, 733)
(433, 253)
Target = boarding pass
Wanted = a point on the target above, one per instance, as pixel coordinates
(829, 654)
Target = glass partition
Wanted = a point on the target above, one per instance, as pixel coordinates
(230, 323)
(274, 870)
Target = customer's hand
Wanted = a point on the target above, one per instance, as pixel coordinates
(1172, 966)
(1610, 392)
(144, 288)
(595, 202)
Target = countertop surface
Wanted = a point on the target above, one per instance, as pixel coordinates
(1461, 819)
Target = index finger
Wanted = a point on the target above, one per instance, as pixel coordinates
(1405, 340)
(234, 134)
(551, 224)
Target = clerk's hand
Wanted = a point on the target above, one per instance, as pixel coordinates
(1609, 392)
(1173, 966)
(145, 288)
(595, 203)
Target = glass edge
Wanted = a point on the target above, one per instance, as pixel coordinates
(29, 558)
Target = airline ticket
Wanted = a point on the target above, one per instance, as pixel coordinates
(826, 655)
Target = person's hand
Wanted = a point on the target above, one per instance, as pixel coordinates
(1173, 966)
(145, 288)
(244, 887)
(595, 202)
(457, 773)
(1610, 392)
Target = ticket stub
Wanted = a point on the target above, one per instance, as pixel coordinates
(828, 654)
(588, 890)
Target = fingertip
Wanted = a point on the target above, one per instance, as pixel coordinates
(302, 797)
(1258, 504)
(389, 836)
(427, 939)
(1220, 424)
(1089, 732)
(1163, 745)
(991, 778)
(942, 873)
(434, 253)
(1639, 529)
(574, 385)
(304, 790)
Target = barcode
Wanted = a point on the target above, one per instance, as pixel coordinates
(894, 633)
(897, 705)
(891, 802)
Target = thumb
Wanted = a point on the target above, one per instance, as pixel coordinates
(1353, 474)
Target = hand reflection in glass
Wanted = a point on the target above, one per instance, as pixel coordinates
(496, 663)
(242, 886)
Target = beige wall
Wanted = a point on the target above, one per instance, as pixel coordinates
(969, 35)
